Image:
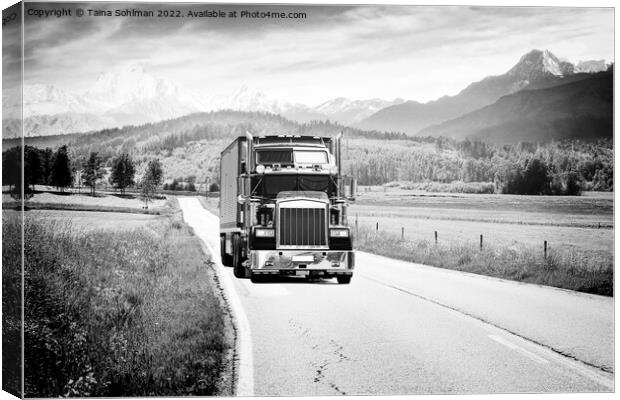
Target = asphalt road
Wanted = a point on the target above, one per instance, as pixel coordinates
(402, 328)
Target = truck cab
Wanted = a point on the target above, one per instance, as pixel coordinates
(283, 208)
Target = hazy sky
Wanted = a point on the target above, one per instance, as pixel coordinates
(412, 52)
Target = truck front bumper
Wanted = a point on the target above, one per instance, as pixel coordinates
(295, 262)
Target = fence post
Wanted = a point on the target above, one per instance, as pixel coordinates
(402, 233)
(435, 238)
(545, 249)
(480, 242)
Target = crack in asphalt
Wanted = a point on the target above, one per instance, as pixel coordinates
(333, 349)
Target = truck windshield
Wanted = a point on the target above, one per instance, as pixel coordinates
(310, 157)
(286, 157)
(275, 157)
(271, 185)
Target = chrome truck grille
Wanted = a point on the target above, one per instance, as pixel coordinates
(302, 228)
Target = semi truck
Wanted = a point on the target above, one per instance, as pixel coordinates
(283, 208)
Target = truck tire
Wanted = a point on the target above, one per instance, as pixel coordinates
(226, 258)
(237, 262)
(344, 279)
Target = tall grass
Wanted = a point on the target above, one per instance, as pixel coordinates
(128, 313)
(580, 271)
(11, 303)
(452, 187)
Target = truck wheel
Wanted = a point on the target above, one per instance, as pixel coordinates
(226, 259)
(238, 269)
(344, 279)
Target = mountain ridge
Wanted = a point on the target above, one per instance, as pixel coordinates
(128, 95)
(533, 68)
(577, 109)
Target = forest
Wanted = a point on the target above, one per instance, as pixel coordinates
(557, 168)
(190, 146)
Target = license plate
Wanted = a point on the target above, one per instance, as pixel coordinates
(302, 273)
(306, 259)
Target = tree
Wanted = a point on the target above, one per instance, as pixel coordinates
(61, 169)
(92, 170)
(123, 172)
(155, 172)
(535, 177)
(147, 190)
(12, 170)
(47, 158)
(151, 180)
(32, 167)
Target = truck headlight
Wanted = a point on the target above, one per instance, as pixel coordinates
(262, 232)
(339, 232)
(260, 168)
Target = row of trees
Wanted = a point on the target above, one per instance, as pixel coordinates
(42, 167)
(552, 168)
(191, 146)
(45, 167)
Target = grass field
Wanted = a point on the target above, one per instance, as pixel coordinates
(119, 305)
(578, 230)
(85, 221)
(129, 203)
(499, 229)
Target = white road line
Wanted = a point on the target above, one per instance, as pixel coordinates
(603, 378)
(519, 349)
(245, 358)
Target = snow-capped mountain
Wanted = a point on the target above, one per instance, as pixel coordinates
(591, 66)
(124, 95)
(348, 111)
(342, 110)
(41, 100)
(250, 99)
(131, 95)
(48, 99)
(574, 107)
(48, 110)
(538, 64)
(536, 69)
